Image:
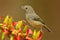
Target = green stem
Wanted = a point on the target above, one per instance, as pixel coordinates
(11, 37)
(3, 35)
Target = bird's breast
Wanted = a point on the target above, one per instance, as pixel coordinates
(35, 23)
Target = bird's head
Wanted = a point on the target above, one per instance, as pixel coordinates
(27, 8)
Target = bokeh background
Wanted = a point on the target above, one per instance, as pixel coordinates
(48, 10)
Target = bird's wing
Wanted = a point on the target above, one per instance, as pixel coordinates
(38, 19)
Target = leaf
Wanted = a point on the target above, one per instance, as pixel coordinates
(19, 24)
(6, 19)
(10, 20)
(3, 35)
(34, 34)
(25, 28)
(0, 30)
(40, 36)
(37, 34)
(11, 37)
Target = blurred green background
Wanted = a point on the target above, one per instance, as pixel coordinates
(48, 10)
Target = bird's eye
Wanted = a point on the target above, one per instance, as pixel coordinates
(26, 8)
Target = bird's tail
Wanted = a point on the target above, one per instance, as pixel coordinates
(47, 28)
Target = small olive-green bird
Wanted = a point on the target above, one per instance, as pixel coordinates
(33, 19)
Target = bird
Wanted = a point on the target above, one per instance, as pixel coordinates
(33, 19)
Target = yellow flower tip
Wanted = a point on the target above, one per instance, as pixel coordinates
(19, 25)
(6, 19)
(19, 33)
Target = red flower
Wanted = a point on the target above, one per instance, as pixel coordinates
(1, 17)
(14, 23)
(6, 32)
(29, 38)
(40, 36)
(23, 24)
(29, 31)
(15, 37)
(19, 30)
(18, 37)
